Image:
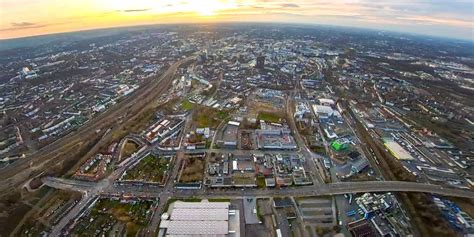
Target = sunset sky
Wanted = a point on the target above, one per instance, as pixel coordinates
(448, 18)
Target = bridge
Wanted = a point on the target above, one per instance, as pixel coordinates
(154, 191)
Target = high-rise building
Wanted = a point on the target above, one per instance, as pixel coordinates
(260, 62)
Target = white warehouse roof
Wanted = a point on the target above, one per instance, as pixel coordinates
(197, 219)
(198, 228)
(200, 214)
(326, 101)
(200, 205)
(323, 109)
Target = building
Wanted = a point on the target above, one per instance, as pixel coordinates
(302, 109)
(359, 165)
(260, 62)
(200, 219)
(382, 226)
(325, 112)
(371, 203)
(340, 145)
(26, 73)
(275, 139)
(229, 135)
(398, 151)
(326, 102)
(361, 228)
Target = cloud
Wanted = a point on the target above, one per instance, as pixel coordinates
(136, 10)
(290, 5)
(21, 26)
(437, 17)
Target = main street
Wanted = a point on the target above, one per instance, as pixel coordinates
(314, 190)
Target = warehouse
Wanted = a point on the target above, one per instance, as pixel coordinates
(398, 151)
(200, 218)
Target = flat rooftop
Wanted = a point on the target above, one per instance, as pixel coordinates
(398, 151)
(204, 228)
(200, 214)
(197, 219)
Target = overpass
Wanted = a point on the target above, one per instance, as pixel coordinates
(314, 190)
(73, 185)
(93, 190)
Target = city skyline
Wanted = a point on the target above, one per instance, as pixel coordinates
(442, 18)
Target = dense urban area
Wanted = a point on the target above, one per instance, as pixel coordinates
(236, 130)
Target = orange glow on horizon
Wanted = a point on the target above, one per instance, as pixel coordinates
(20, 18)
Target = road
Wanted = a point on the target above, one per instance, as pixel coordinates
(314, 190)
(20, 171)
(108, 186)
(92, 190)
(167, 191)
(82, 206)
(313, 162)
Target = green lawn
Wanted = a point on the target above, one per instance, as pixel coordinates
(207, 117)
(187, 105)
(243, 180)
(222, 114)
(269, 117)
(261, 182)
(219, 200)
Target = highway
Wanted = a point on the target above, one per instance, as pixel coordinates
(55, 153)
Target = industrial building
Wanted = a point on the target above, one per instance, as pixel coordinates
(325, 112)
(200, 219)
(398, 151)
(276, 139)
(229, 135)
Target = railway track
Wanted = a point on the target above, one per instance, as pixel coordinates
(63, 149)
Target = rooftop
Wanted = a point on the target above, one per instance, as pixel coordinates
(197, 218)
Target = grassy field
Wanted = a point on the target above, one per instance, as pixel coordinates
(208, 117)
(150, 169)
(269, 117)
(108, 213)
(261, 182)
(129, 148)
(187, 105)
(242, 180)
(193, 171)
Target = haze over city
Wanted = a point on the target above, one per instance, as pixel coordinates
(445, 18)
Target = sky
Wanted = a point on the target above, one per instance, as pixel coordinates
(445, 18)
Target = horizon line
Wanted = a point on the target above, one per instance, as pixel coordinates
(243, 22)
